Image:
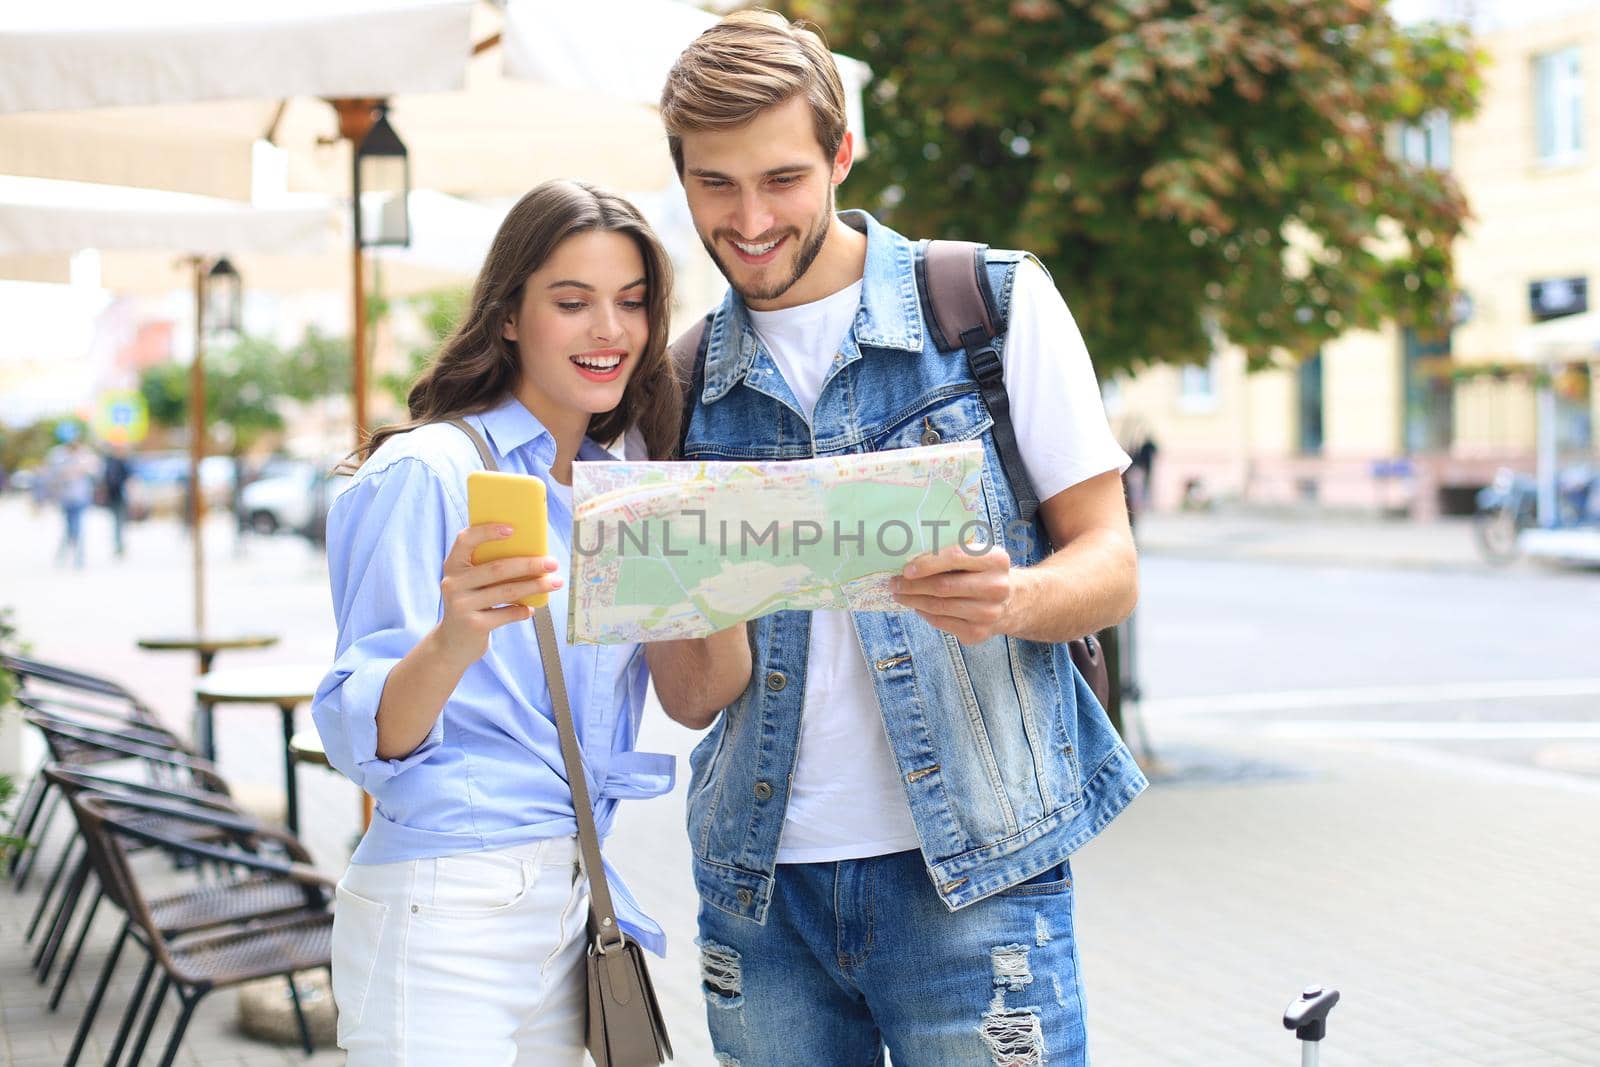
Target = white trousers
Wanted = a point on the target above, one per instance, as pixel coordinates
(473, 960)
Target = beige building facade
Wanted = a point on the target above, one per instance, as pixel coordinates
(1378, 421)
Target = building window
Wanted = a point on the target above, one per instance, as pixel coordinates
(1309, 396)
(1427, 143)
(1551, 298)
(1558, 103)
(1197, 386)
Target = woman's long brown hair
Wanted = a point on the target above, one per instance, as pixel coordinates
(477, 367)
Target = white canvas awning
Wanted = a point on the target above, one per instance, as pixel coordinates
(555, 45)
(1550, 345)
(39, 217)
(1569, 339)
(174, 96)
(112, 53)
(295, 247)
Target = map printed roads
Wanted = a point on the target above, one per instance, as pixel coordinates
(674, 550)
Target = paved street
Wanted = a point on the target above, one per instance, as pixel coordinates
(1370, 772)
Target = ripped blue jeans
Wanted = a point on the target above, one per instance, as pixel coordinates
(861, 955)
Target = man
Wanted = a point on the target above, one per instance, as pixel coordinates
(114, 477)
(882, 817)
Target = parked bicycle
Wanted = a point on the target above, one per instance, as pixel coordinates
(1509, 505)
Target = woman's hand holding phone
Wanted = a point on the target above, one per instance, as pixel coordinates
(481, 597)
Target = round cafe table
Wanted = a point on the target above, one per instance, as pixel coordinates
(206, 647)
(306, 747)
(284, 686)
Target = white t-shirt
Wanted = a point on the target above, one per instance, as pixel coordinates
(847, 800)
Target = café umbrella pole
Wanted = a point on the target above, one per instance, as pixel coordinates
(380, 167)
(197, 445)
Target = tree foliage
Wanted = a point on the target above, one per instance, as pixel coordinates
(439, 312)
(9, 643)
(247, 381)
(1181, 166)
(27, 446)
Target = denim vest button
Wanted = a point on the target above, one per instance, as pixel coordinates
(776, 681)
(763, 791)
(746, 898)
(930, 436)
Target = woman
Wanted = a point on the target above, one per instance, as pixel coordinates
(459, 929)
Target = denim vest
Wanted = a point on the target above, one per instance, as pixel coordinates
(1009, 762)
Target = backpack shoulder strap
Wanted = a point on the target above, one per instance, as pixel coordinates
(960, 311)
(688, 354)
(959, 307)
(953, 278)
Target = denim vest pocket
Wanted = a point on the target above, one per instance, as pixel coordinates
(1051, 702)
(1048, 882)
(704, 783)
(949, 415)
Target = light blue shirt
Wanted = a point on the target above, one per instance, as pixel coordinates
(489, 774)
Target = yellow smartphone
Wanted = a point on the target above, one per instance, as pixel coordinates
(517, 501)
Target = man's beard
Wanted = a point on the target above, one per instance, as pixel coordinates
(811, 246)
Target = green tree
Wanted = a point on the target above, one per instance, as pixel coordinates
(8, 689)
(439, 311)
(242, 386)
(246, 381)
(319, 366)
(27, 446)
(1180, 166)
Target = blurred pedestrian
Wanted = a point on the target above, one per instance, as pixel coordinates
(71, 470)
(1141, 473)
(114, 474)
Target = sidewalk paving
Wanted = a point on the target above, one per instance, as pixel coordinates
(1452, 902)
(1314, 538)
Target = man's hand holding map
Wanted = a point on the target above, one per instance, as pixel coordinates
(675, 550)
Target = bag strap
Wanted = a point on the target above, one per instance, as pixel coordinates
(607, 932)
(960, 311)
(477, 442)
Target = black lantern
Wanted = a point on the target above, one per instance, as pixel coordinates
(224, 298)
(382, 181)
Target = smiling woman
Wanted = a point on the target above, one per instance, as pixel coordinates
(463, 902)
(580, 328)
(564, 247)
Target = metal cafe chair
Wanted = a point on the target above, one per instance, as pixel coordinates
(75, 740)
(66, 692)
(72, 781)
(70, 744)
(236, 943)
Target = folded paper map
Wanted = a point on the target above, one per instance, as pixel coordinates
(673, 550)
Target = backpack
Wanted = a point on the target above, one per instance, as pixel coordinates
(959, 309)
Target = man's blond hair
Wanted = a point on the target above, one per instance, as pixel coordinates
(748, 62)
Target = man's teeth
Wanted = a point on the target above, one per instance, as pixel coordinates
(756, 250)
(603, 363)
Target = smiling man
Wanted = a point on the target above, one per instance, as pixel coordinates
(882, 820)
